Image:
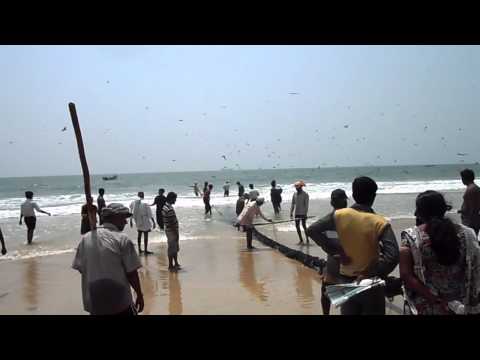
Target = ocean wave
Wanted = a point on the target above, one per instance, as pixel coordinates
(23, 255)
(71, 203)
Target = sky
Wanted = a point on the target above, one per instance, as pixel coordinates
(180, 108)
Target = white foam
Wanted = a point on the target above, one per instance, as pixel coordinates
(20, 255)
(71, 203)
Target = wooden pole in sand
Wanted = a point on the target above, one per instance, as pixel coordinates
(92, 217)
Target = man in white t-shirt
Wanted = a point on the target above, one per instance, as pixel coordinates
(27, 211)
(107, 260)
(142, 214)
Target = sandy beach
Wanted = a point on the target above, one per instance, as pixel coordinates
(218, 278)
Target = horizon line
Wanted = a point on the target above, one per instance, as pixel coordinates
(235, 170)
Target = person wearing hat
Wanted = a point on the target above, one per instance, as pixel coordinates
(249, 213)
(338, 200)
(108, 263)
(300, 202)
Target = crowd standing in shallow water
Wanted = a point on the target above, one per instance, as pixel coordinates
(439, 260)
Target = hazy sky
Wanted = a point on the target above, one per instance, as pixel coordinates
(130, 100)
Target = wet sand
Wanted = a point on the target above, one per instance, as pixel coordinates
(219, 277)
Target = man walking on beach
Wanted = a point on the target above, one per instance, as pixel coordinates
(366, 247)
(470, 210)
(249, 213)
(253, 194)
(100, 203)
(241, 189)
(85, 224)
(300, 202)
(160, 201)
(27, 211)
(2, 240)
(206, 200)
(276, 197)
(172, 232)
(108, 263)
(142, 216)
(226, 189)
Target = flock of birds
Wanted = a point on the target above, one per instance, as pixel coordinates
(270, 154)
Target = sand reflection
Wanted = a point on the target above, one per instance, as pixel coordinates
(149, 287)
(170, 283)
(304, 287)
(248, 278)
(175, 305)
(30, 289)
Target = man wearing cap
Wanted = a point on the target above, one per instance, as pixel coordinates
(142, 214)
(366, 247)
(338, 200)
(250, 211)
(300, 205)
(108, 263)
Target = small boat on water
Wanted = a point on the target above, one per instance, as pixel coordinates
(106, 178)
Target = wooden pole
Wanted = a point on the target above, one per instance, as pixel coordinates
(92, 217)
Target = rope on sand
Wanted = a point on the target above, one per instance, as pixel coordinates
(312, 262)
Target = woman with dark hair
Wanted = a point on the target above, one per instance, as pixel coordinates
(439, 261)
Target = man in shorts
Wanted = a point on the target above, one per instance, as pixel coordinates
(27, 211)
(172, 232)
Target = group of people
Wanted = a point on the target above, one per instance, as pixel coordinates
(439, 260)
(298, 208)
(107, 260)
(142, 216)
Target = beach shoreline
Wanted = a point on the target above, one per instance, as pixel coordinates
(220, 277)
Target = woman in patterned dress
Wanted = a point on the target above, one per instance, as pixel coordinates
(439, 260)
